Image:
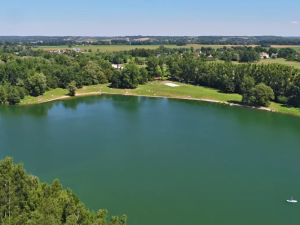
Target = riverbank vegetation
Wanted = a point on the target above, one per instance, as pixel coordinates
(156, 89)
(25, 200)
(258, 84)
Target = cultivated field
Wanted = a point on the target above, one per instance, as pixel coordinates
(112, 48)
(105, 48)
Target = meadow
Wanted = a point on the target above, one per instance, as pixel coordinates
(281, 61)
(156, 89)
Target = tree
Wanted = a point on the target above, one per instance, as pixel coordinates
(249, 56)
(72, 88)
(272, 50)
(130, 76)
(247, 84)
(143, 76)
(260, 95)
(24, 200)
(36, 84)
(3, 94)
(152, 63)
(13, 96)
(116, 79)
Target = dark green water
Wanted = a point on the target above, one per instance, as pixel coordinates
(162, 161)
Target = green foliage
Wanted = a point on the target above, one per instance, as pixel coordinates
(129, 77)
(72, 88)
(143, 76)
(116, 79)
(285, 52)
(249, 56)
(152, 64)
(24, 200)
(37, 84)
(260, 95)
(42, 71)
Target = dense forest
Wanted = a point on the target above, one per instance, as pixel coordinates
(25, 200)
(32, 72)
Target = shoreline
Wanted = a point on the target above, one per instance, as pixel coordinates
(151, 96)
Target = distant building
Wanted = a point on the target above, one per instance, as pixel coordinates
(76, 49)
(274, 55)
(117, 66)
(264, 55)
(210, 56)
(141, 39)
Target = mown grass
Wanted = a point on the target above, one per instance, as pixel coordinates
(156, 89)
(49, 95)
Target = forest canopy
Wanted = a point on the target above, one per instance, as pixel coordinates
(24, 200)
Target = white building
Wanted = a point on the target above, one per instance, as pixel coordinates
(264, 55)
(117, 66)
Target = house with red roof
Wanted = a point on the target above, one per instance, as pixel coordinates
(264, 55)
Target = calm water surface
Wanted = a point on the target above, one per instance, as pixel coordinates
(162, 161)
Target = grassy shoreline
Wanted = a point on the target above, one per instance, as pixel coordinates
(159, 89)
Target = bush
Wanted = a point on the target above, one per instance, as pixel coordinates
(72, 88)
(260, 95)
(282, 99)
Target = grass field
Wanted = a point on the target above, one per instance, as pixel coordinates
(155, 89)
(281, 61)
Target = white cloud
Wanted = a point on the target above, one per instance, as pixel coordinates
(294, 22)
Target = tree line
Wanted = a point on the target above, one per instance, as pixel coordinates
(24, 200)
(265, 41)
(42, 71)
(258, 83)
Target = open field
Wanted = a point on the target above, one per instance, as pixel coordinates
(281, 61)
(155, 89)
(296, 47)
(112, 48)
(105, 48)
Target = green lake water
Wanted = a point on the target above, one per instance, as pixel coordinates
(162, 161)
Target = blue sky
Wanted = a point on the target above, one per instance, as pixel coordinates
(154, 17)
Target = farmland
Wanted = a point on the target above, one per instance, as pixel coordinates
(281, 61)
(113, 48)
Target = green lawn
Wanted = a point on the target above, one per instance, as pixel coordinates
(156, 89)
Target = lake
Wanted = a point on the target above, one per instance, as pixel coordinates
(162, 161)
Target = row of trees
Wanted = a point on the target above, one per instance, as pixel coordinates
(279, 82)
(130, 77)
(21, 76)
(41, 71)
(24, 200)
